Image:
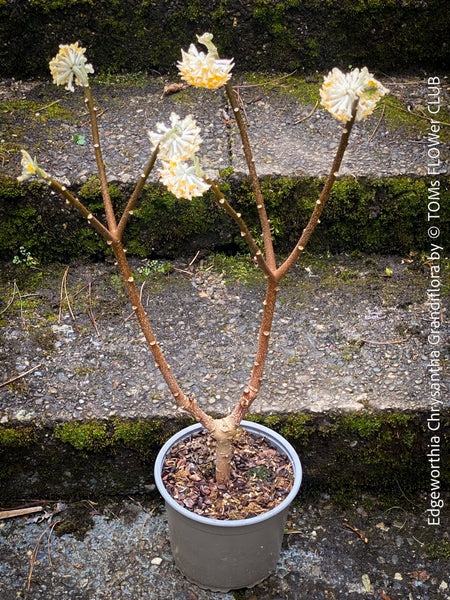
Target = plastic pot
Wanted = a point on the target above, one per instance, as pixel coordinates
(226, 555)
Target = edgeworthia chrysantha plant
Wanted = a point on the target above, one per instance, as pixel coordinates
(348, 97)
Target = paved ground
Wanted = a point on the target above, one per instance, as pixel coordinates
(345, 338)
(365, 551)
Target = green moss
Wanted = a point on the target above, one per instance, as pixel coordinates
(77, 520)
(264, 35)
(82, 371)
(383, 427)
(437, 550)
(342, 455)
(238, 268)
(295, 427)
(142, 436)
(376, 216)
(91, 436)
(38, 111)
(17, 437)
(95, 436)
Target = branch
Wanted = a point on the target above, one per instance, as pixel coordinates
(84, 212)
(187, 403)
(265, 223)
(245, 233)
(136, 193)
(320, 203)
(110, 217)
(252, 389)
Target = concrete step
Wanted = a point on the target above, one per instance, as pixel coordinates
(290, 135)
(120, 549)
(352, 373)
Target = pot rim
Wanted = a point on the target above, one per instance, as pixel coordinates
(278, 440)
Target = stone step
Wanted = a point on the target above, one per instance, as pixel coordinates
(294, 141)
(290, 135)
(120, 549)
(260, 35)
(349, 377)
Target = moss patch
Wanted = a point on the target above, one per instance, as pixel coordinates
(259, 34)
(343, 455)
(17, 437)
(90, 436)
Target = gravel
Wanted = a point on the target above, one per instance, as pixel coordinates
(126, 554)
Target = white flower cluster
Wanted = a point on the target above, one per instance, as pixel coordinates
(30, 168)
(177, 146)
(204, 70)
(340, 90)
(70, 64)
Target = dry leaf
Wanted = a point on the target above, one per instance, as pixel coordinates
(419, 575)
(382, 526)
(173, 88)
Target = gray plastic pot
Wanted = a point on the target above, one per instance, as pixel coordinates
(227, 555)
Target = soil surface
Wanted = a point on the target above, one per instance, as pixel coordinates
(261, 477)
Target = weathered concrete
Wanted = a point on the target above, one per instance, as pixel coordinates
(285, 139)
(368, 550)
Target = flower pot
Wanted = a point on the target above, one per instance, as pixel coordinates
(226, 555)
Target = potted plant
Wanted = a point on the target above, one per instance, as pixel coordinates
(217, 519)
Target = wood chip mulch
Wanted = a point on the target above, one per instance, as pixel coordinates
(261, 477)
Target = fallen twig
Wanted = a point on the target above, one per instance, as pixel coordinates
(66, 296)
(99, 114)
(310, 114)
(382, 343)
(242, 104)
(249, 85)
(194, 259)
(414, 114)
(15, 289)
(19, 512)
(20, 376)
(49, 540)
(89, 310)
(90, 282)
(141, 540)
(51, 104)
(361, 535)
(36, 550)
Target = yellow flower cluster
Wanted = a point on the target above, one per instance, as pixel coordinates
(177, 146)
(178, 142)
(30, 168)
(183, 180)
(205, 70)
